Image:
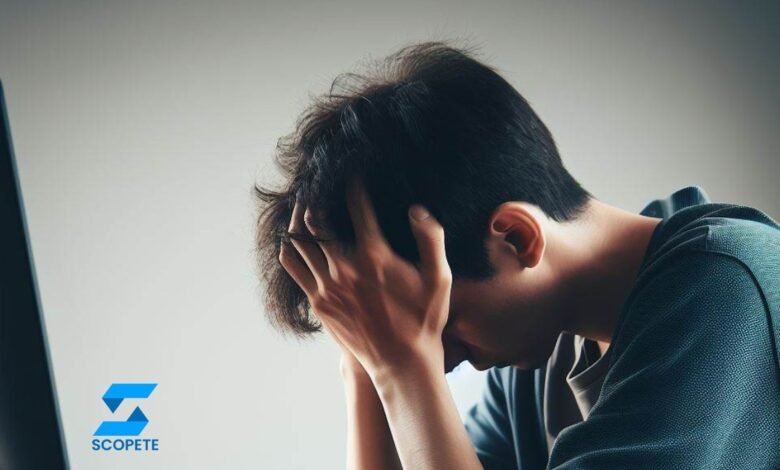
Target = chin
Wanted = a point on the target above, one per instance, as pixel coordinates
(485, 365)
(524, 364)
(481, 365)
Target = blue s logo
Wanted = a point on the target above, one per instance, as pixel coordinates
(137, 421)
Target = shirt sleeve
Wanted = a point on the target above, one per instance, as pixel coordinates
(487, 424)
(694, 381)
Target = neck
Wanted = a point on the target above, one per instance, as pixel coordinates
(598, 257)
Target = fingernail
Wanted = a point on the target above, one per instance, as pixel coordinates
(419, 213)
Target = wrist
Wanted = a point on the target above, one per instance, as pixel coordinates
(358, 387)
(415, 368)
(351, 370)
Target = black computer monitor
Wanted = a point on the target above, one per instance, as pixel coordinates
(30, 432)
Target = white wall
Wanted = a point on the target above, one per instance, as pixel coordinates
(140, 127)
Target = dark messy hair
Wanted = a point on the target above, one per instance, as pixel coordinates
(430, 125)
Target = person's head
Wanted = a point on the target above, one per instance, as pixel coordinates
(432, 125)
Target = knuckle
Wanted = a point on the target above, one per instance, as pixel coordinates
(311, 224)
(374, 254)
(373, 272)
(347, 277)
(436, 238)
(317, 305)
(339, 276)
(436, 231)
(326, 290)
(442, 277)
(323, 297)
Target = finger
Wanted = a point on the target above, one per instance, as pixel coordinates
(430, 241)
(316, 225)
(308, 250)
(294, 265)
(362, 213)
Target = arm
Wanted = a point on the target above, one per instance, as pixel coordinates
(423, 417)
(369, 442)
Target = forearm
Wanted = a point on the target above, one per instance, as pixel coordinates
(369, 441)
(425, 424)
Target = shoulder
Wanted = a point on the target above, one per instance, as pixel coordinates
(695, 304)
(750, 237)
(707, 245)
(691, 282)
(699, 327)
(702, 245)
(693, 376)
(739, 231)
(710, 267)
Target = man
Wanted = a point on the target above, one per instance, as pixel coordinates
(427, 219)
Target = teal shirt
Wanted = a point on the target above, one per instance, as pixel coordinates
(694, 372)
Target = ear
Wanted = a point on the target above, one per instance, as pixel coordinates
(517, 227)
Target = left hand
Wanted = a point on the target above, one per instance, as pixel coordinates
(386, 311)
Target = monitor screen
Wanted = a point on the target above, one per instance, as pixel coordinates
(30, 434)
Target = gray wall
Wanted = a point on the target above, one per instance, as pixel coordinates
(140, 127)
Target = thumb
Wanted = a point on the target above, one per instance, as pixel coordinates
(430, 240)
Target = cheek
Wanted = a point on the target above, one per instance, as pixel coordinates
(501, 324)
(490, 324)
(474, 320)
(469, 297)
